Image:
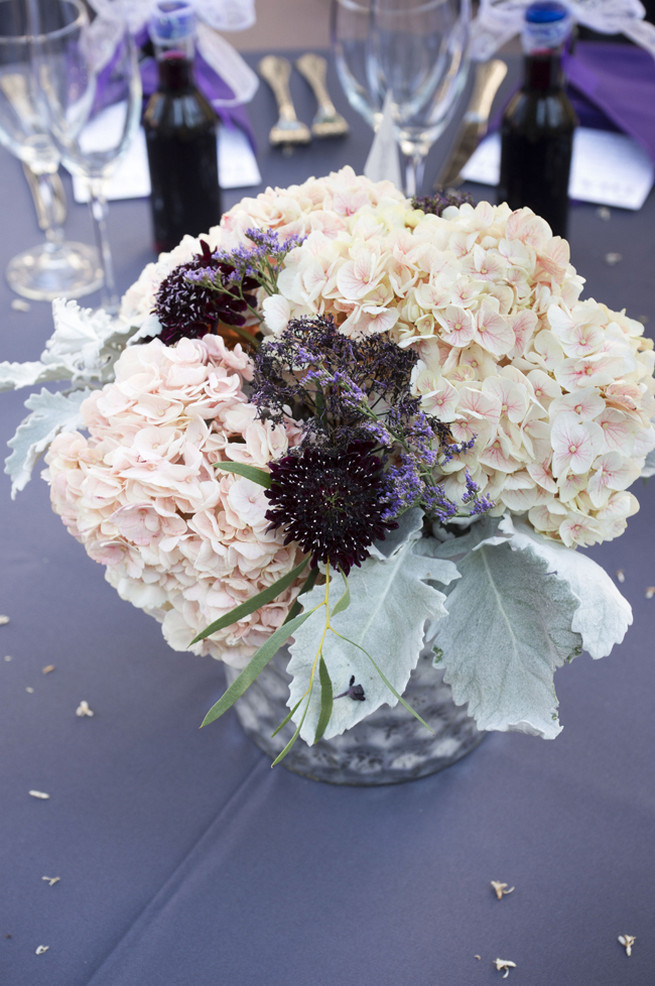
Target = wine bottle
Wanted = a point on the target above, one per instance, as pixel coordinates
(180, 129)
(539, 122)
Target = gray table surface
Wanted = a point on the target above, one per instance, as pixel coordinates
(184, 859)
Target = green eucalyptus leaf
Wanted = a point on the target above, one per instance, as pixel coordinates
(326, 700)
(344, 602)
(286, 749)
(308, 584)
(257, 663)
(245, 609)
(287, 718)
(253, 473)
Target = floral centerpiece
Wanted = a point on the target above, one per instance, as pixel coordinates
(357, 425)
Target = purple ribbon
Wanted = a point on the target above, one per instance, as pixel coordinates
(612, 87)
(614, 83)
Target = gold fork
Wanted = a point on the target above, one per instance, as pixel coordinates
(327, 122)
(288, 131)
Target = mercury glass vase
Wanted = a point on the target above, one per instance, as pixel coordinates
(388, 747)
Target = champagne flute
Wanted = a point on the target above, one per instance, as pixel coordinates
(419, 54)
(350, 32)
(55, 268)
(88, 75)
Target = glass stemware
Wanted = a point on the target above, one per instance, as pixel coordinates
(56, 267)
(418, 52)
(88, 75)
(350, 31)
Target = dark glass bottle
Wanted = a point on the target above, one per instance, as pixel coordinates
(180, 129)
(539, 122)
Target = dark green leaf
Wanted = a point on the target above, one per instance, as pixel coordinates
(295, 736)
(293, 739)
(344, 602)
(252, 604)
(308, 584)
(326, 700)
(257, 663)
(286, 719)
(253, 473)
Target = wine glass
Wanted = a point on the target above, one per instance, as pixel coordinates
(56, 267)
(418, 53)
(350, 32)
(91, 89)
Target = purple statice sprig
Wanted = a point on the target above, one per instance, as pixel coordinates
(348, 393)
(441, 200)
(236, 273)
(263, 260)
(329, 379)
(219, 289)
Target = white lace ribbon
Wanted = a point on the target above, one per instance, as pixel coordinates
(213, 16)
(498, 21)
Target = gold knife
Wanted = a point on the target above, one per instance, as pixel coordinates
(488, 77)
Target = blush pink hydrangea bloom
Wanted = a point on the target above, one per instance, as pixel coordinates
(180, 539)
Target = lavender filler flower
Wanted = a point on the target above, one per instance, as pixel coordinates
(218, 289)
(368, 452)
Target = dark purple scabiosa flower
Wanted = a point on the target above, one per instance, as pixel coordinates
(368, 451)
(188, 306)
(331, 501)
(435, 204)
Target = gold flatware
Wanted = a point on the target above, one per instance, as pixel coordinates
(488, 77)
(289, 131)
(327, 122)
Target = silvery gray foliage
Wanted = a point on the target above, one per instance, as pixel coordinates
(649, 465)
(51, 413)
(524, 605)
(515, 606)
(392, 597)
(80, 354)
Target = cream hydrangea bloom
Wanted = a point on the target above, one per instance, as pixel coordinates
(547, 384)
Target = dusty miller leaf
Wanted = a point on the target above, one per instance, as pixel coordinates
(649, 465)
(51, 414)
(603, 614)
(13, 376)
(390, 602)
(523, 606)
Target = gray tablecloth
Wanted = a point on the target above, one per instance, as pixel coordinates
(184, 859)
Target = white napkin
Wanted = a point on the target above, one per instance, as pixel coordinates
(237, 166)
(607, 167)
(383, 160)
